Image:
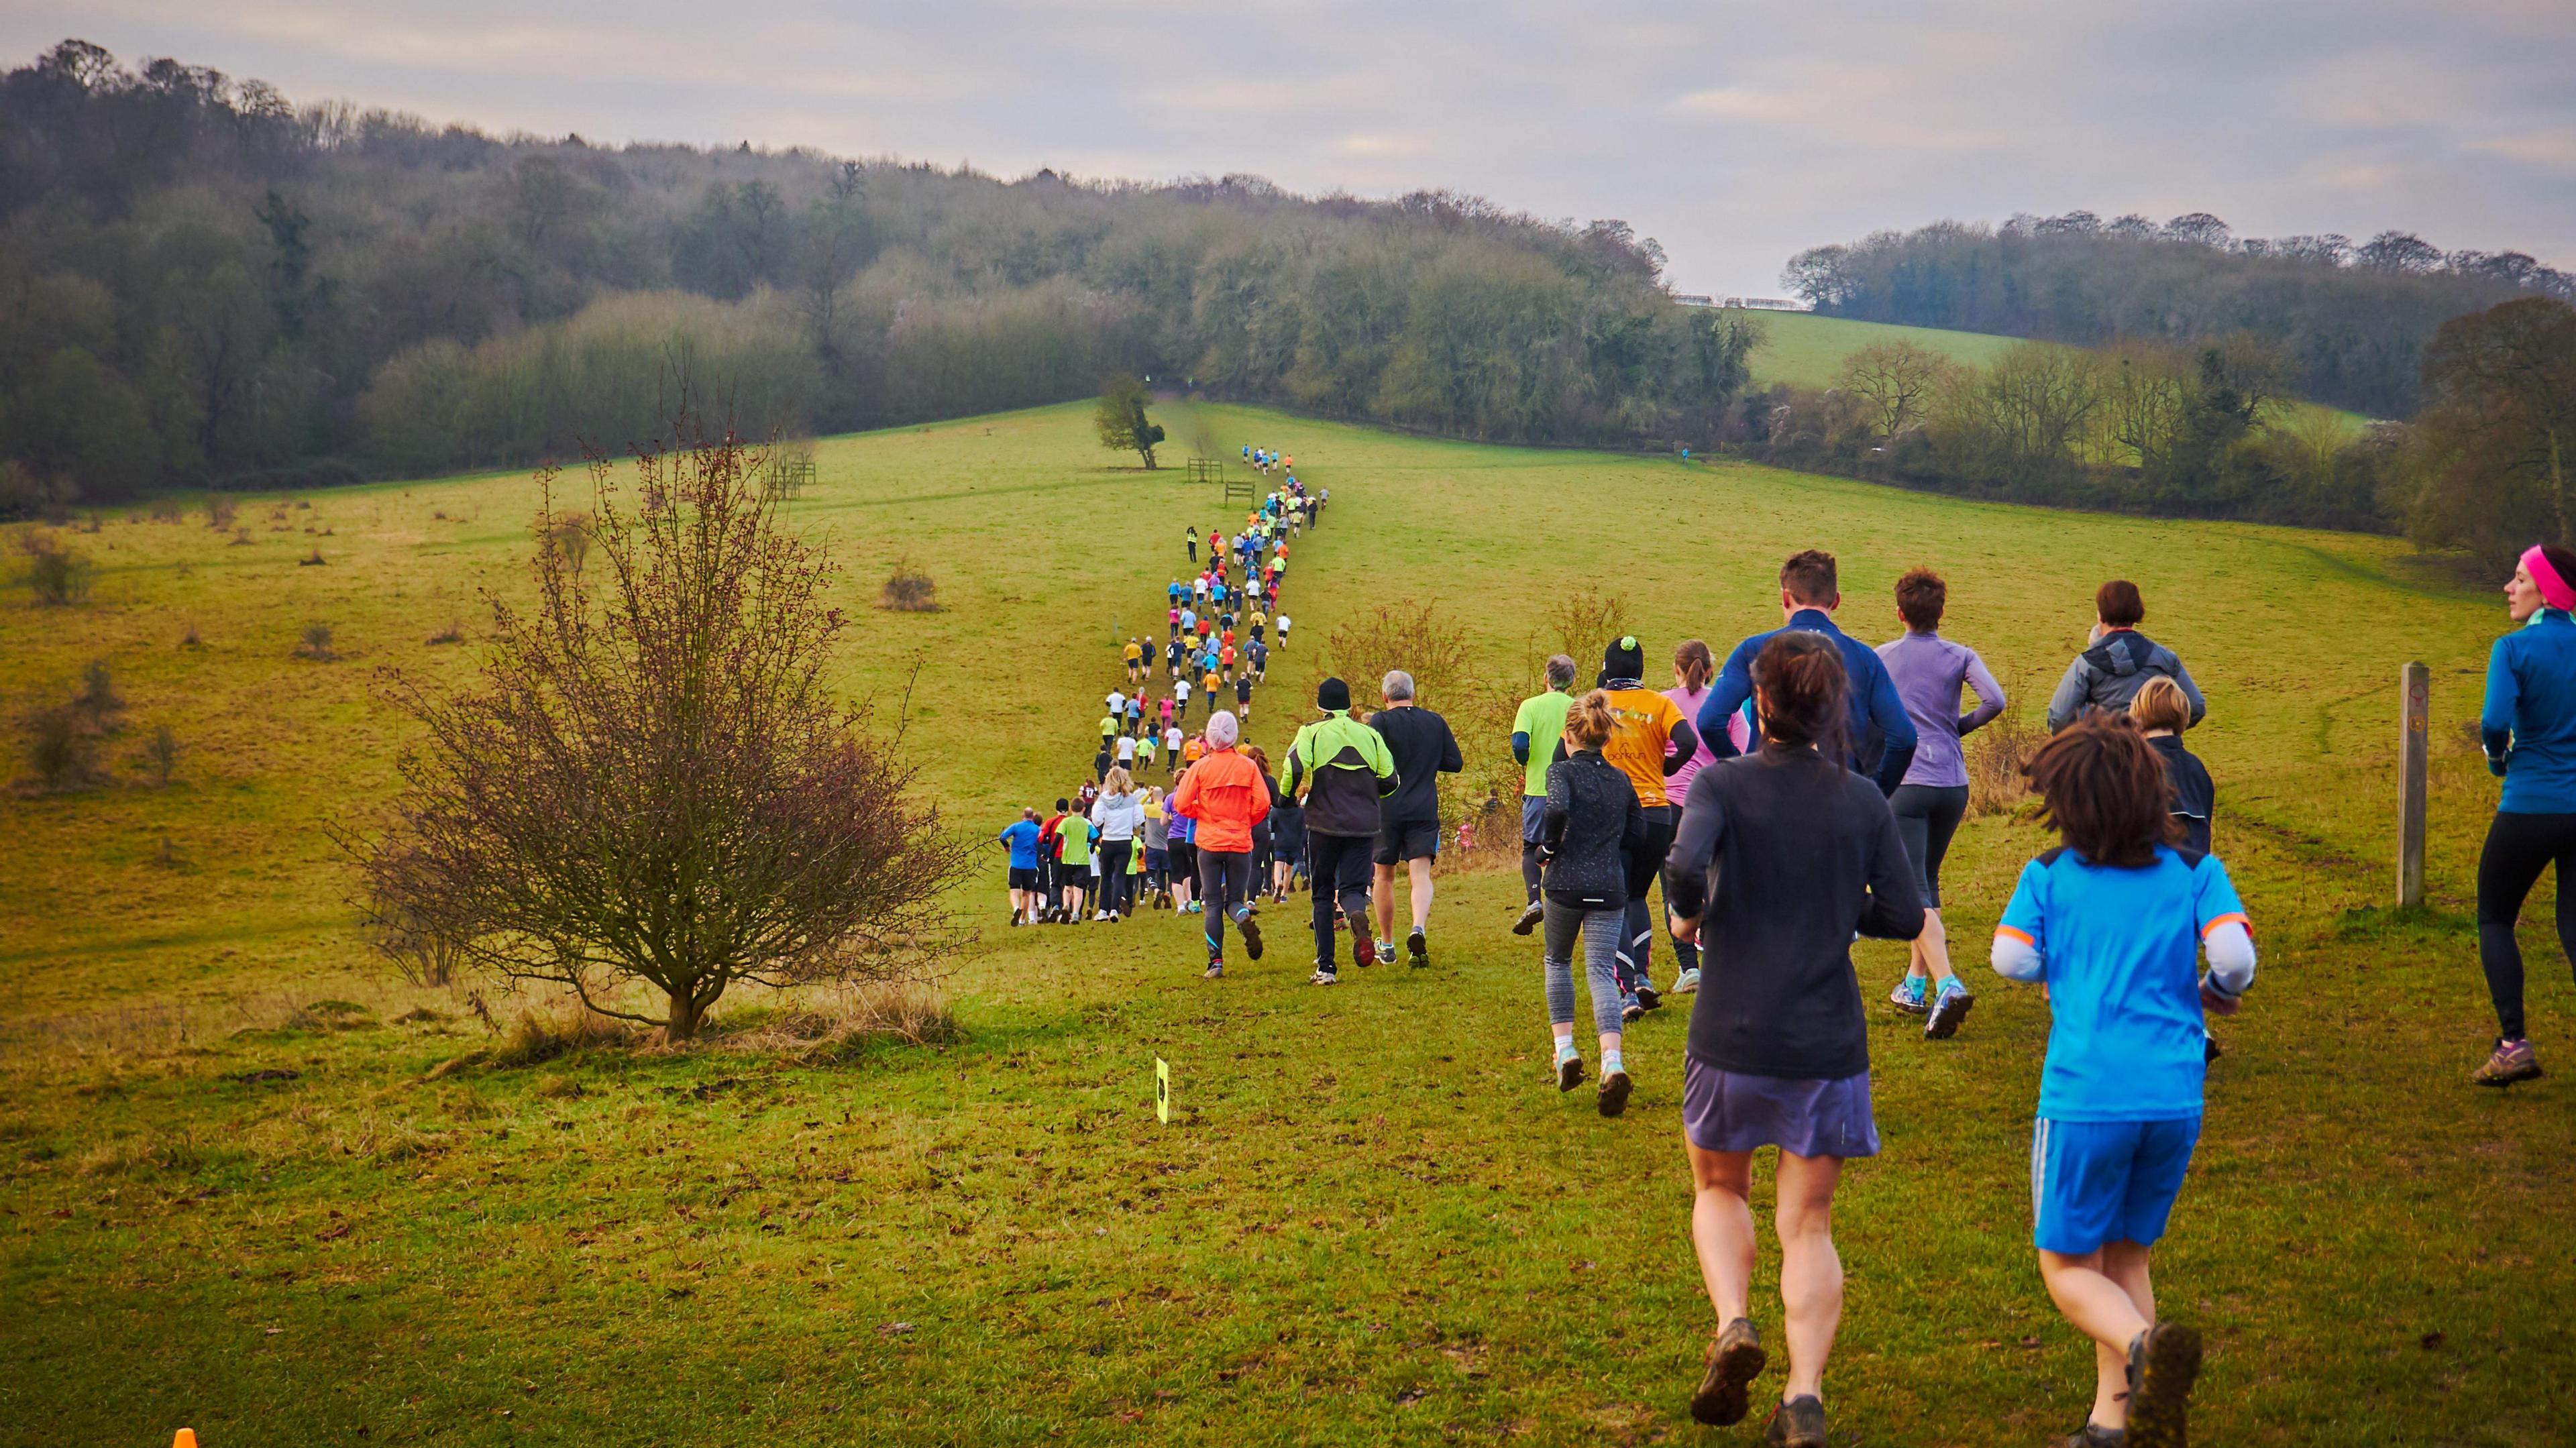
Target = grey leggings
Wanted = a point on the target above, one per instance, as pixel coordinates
(1601, 931)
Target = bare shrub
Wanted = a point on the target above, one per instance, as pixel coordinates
(568, 534)
(1996, 753)
(98, 697)
(1583, 621)
(161, 756)
(57, 576)
(313, 559)
(1420, 638)
(219, 513)
(654, 782)
(316, 643)
(241, 538)
(454, 633)
(909, 590)
(62, 747)
(189, 639)
(166, 510)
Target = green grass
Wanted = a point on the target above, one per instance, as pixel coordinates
(1371, 1219)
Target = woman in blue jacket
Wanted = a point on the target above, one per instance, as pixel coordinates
(2529, 727)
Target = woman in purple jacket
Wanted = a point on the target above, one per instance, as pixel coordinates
(1928, 671)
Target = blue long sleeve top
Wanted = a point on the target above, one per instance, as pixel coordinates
(2529, 723)
(1882, 733)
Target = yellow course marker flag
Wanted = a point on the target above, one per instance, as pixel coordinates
(1162, 1091)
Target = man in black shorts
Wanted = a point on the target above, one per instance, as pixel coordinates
(1409, 820)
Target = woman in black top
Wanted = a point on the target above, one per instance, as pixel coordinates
(1780, 856)
(1591, 824)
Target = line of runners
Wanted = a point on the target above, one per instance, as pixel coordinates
(1805, 789)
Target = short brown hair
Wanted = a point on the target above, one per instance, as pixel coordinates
(2117, 603)
(1588, 721)
(1921, 596)
(1799, 678)
(2106, 790)
(2160, 704)
(1810, 577)
(1694, 663)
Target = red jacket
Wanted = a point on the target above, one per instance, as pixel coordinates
(1224, 793)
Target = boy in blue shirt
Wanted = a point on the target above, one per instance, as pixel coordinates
(2114, 922)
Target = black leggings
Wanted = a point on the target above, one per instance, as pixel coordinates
(1927, 815)
(2518, 847)
(1339, 868)
(1225, 879)
(1116, 891)
(1644, 863)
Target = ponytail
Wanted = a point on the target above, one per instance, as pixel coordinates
(1695, 664)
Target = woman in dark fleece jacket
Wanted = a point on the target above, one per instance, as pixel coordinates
(1592, 824)
(1780, 856)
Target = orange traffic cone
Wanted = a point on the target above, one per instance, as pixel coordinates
(187, 1439)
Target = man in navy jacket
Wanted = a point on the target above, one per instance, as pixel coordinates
(1882, 735)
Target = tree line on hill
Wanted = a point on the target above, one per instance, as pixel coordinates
(2351, 321)
(206, 284)
(2209, 430)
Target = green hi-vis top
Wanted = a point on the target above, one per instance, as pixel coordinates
(1352, 771)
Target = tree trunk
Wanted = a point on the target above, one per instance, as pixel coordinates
(685, 1015)
(1148, 455)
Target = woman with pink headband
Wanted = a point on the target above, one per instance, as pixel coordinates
(2529, 726)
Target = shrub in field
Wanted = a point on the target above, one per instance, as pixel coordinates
(1997, 752)
(161, 755)
(1422, 639)
(189, 639)
(454, 633)
(652, 782)
(1584, 621)
(56, 575)
(568, 534)
(909, 590)
(98, 699)
(312, 559)
(219, 513)
(62, 747)
(165, 510)
(316, 643)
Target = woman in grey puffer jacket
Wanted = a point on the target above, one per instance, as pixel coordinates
(1591, 824)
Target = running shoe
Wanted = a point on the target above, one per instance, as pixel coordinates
(1629, 1010)
(1734, 1361)
(1016, 921)
(1363, 949)
(1686, 983)
(1100, 915)
(1324, 975)
(1530, 917)
(1251, 929)
(1417, 949)
(2162, 1364)
(1615, 1087)
(2091, 1435)
(1647, 996)
(1797, 1423)
(1216, 970)
(1569, 1071)
(1908, 996)
(2512, 1061)
(1948, 1010)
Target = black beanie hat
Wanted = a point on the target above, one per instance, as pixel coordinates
(1332, 694)
(1625, 658)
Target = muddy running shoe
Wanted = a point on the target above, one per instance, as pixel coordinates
(1908, 996)
(1324, 975)
(1686, 983)
(1251, 929)
(2091, 1435)
(1530, 918)
(1615, 1087)
(1949, 1008)
(1363, 949)
(1417, 949)
(2512, 1061)
(1647, 997)
(2163, 1362)
(1216, 970)
(1569, 1071)
(1797, 1423)
(1629, 1010)
(1734, 1361)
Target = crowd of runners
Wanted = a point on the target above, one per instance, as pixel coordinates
(1796, 795)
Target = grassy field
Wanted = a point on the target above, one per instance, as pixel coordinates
(1370, 1218)
(1803, 349)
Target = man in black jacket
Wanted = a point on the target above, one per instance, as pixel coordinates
(1408, 831)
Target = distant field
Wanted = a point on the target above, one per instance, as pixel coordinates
(1806, 350)
(1372, 1218)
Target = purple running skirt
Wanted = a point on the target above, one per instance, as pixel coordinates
(1728, 1111)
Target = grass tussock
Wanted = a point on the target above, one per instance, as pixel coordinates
(909, 590)
(1996, 753)
(839, 1025)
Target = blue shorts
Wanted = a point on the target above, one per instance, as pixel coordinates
(2093, 1182)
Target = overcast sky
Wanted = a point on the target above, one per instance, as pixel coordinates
(1735, 134)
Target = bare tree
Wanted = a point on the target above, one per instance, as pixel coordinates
(1895, 383)
(651, 781)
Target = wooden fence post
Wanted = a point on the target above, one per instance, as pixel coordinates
(2415, 708)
